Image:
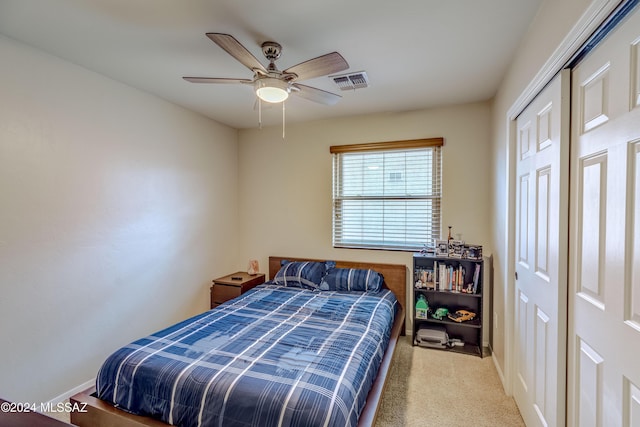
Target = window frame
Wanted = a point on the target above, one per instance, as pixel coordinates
(435, 197)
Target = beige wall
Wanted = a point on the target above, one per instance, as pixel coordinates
(285, 185)
(553, 23)
(117, 208)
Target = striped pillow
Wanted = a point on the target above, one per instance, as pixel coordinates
(306, 274)
(352, 279)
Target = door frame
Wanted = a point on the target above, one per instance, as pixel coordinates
(596, 16)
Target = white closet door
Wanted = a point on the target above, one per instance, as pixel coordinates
(541, 253)
(604, 277)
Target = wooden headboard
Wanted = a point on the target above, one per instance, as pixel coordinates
(395, 275)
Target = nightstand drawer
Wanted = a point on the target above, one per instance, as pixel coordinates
(221, 293)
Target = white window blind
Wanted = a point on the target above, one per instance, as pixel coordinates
(387, 195)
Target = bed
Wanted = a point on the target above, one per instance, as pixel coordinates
(260, 358)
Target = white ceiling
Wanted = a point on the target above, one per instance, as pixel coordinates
(417, 53)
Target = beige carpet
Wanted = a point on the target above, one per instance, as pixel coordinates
(429, 387)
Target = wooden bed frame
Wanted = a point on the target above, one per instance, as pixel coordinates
(98, 413)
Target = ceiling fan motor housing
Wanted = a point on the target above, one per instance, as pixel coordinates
(271, 50)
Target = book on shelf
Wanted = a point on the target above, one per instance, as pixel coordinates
(444, 278)
(436, 276)
(476, 278)
(460, 278)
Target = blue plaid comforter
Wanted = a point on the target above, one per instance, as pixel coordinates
(275, 356)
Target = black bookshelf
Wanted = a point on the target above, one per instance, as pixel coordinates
(454, 283)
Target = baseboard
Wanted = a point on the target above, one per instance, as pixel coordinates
(64, 397)
(499, 370)
(486, 351)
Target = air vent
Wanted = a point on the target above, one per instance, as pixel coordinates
(351, 81)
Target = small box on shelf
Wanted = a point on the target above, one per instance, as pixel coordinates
(473, 251)
(442, 248)
(456, 248)
(422, 308)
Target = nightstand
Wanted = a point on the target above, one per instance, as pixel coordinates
(226, 288)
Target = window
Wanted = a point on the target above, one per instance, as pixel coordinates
(387, 195)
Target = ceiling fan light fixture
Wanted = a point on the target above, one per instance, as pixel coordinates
(272, 90)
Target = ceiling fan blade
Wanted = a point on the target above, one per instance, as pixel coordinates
(321, 66)
(216, 80)
(315, 94)
(237, 50)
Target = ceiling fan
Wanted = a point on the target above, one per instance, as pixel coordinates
(272, 85)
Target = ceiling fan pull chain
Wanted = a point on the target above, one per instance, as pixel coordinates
(283, 120)
(259, 113)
